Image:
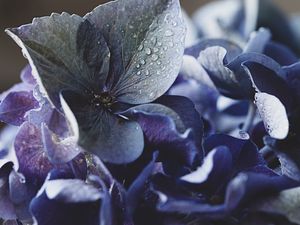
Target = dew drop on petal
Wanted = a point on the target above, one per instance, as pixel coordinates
(155, 50)
(171, 44)
(148, 51)
(141, 47)
(153, 40)
(154, 57)
(169, 33)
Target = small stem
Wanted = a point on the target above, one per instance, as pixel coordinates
(250, 118)
(266, 151)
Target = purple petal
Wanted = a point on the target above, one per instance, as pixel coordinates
(71, 191)
(273, 114)
(280, 53)
(59, 151)
(27, 77)
(112, 137)
(233, 50)
(137, 75)
(136, 189)
(55, 120)
(162, 133)
(188, 206)
(244, 152)
(286, 204)
(293, 78)
(7, 209)
(248, 187)
(203, 97)
(20, 87)
(213, 173)
(261, 75)
(15, 105)
(21, 192)
(185, 108)
(288, 167)
(228, 76)
(258, 41)
(67, 201)
(33, 161)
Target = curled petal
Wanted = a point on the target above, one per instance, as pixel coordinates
(67, 201)
(59, 151)
(15, 105)
(273, 114)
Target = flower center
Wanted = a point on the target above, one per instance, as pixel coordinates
(104, 99)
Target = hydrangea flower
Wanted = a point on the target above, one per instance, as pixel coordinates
(93, 67)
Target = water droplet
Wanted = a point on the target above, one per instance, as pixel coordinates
(147, 72)
(143, 62)
(22, 180)
(158, 62)
(159, 43)
(131, 27)
(138, 66)
(167, 18)
(155, 50)
(141, 47)
(134, 36)
(154, 57)
(169, 33)
(153, 40)
(138, 73)
(165, 48)
(148, 51)
(243, 135)
(98, 42)
(182, 39)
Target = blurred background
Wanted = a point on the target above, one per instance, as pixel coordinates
(16, 12)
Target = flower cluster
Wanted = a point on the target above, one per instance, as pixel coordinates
(136, 115)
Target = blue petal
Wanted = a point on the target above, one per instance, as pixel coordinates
(67, 201)
(15, 105)
(244, 152)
